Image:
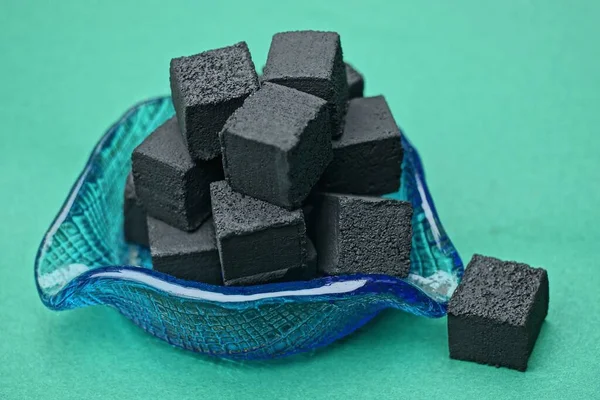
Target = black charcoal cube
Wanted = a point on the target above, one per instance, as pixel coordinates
(134, 216)
(185, 255)
(305, 273)
(495, 314)
(171, 186)
(206, 88)
(312, 62)
(367, 159)
(368, 235)
(258, 242)
(276, 146)
(356, 82)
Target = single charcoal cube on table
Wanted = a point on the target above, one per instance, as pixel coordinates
(258, 242)
(206, 89)
(312, 62)
(367, 159)
(276, 146)
(368, 235)
(171, 186)
(356, 82)
(496, 313)
(134, 216)
(185, 255)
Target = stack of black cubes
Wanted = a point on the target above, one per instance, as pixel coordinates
(257, 181)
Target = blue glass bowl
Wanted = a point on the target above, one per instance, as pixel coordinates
(83, 260)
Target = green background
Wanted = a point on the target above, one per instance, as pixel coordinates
(502, 98)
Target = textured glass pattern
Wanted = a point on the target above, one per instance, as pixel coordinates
(83, 260)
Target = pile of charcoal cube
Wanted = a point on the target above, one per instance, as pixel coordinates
(270, 179)
(279, 178)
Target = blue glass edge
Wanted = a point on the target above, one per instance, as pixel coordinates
(60, 301)
(458, 269)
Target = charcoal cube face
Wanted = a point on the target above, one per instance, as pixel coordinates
(309, 271)
(306, 273)
(206, 89)
(356, 82)
(134, 216)
(172, 187)
(277, 156)
(258, 242)
(312, 62)
(185, 255)
(496, 313)
(368, 235)
(303, 273)
(367, 159)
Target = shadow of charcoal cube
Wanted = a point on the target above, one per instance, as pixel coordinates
(276, 146)
(134, 216)
(356, 82)
(312, 62)
(258, 242)
(171, 186)
(206, 88)
(496, 313)
(367, 159)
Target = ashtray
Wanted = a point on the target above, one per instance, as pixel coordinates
(83, 260)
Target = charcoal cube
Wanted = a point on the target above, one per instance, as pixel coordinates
(356, 82)
(306, 273)
(134, 216)
(258, 242)
(357, 234)
(312, 62)
(185, 255)
(206, 89)
(495, 314)
(171, 186)
(276, 146)
(367, 159)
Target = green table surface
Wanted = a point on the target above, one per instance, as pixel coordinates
(502, 98)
